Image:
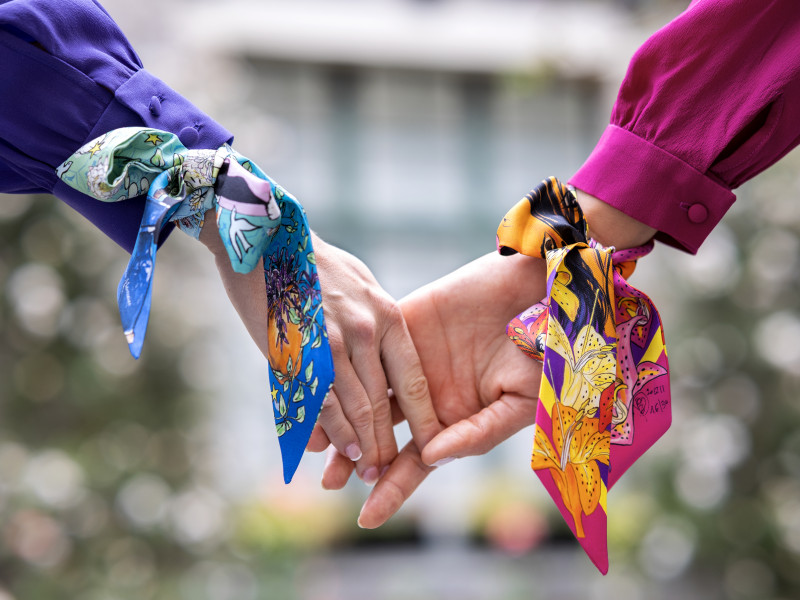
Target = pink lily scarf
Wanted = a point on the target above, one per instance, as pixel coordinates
(604, 396)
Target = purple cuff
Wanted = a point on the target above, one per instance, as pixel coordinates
(654, 187)
(143, 100)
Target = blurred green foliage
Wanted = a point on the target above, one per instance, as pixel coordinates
(100, 491)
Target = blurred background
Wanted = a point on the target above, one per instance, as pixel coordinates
(407, 129)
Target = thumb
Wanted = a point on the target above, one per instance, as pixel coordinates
(482, 431)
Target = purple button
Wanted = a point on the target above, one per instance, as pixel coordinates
(188, 136)
(155, 106)
(698, 213)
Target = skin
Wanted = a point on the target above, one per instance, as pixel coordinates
(483, 388)
(612, 227)
(364, 324)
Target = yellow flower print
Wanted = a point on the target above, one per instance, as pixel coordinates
(589, 365)
(572, 459)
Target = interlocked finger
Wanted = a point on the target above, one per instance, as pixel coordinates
(357, 410)
(337, 428)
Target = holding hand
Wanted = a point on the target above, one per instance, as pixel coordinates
(371, 348)
(483, 388)
(372, 351)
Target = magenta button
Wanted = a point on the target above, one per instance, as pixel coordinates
(698, 213)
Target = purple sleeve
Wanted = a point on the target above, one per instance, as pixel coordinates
(708, 102)
(68, 75)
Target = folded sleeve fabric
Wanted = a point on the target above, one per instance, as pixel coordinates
(69, 75)
(707, 103)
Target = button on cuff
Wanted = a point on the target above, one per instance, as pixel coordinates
(189, 136)
(697, 213)
(155, 106)
(177, 112)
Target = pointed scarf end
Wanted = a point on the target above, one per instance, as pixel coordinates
(600, 561)
(135, 344)
(293, 440)
(290, 466)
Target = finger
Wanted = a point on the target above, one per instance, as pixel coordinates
(370, 372)
(397, 414)
(357, 410)
(482, 431)
(408, 382)
(318, 440)
(337, 470)
(394, 488)
(337, 427)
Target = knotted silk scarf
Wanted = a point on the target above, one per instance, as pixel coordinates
(604, 394)
(259, 223)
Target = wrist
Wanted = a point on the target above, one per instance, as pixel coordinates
(209, 233)
(610, 226)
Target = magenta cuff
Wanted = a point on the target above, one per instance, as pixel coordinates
(654, 187)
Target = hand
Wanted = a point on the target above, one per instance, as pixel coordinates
(371, 348)
(483, 387)
(372, 351)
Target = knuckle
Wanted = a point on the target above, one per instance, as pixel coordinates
(328, 404)
(382, 411)
(361, 416)
(387, 451)
(338, 432)
(396, 495)
(394, 314)
(364, 329)
(415, 389)
(335, 339)
(479, 438)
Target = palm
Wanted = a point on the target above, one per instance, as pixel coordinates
(483, 388)
(458, 327)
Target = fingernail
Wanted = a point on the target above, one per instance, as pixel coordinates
(444, 461)
(370, 476)
(384, 469)
(365, 508)
(358, 522)
(353, 452)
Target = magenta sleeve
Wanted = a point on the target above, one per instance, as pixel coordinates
(708, 102)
